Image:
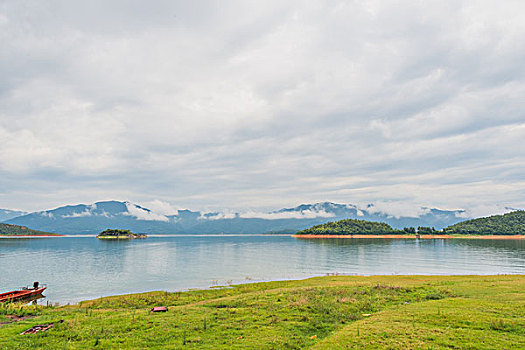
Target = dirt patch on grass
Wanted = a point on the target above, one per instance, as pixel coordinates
(15, 318)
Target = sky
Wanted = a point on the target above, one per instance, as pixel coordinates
(262, 104)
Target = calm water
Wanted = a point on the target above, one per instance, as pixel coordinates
(80, 268)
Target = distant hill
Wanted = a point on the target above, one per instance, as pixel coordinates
(508, 224)
(350, 227)
(93, 218)
(15, 230)
(6, 214)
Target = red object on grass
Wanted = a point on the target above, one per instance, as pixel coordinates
(159, 309)
(23, 293)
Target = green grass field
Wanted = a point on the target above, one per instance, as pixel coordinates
(340, 312)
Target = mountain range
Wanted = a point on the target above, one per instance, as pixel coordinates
(93, 218)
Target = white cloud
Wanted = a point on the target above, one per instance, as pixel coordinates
(142, 214)
(84, 213)
(91, 210)
(47, 214)
(218, 216)
(303, 214)
(161, 207)
(397, 209)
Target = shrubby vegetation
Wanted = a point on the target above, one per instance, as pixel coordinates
(18, 309)
(423, 230)
(409, 230)
(507, 224)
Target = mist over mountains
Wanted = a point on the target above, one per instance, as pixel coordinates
(93, 218)
(6, 214)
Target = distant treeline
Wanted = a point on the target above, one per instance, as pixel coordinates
(508, 224)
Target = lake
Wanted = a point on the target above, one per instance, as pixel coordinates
(78, 268)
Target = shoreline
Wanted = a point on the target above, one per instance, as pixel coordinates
(515, 237)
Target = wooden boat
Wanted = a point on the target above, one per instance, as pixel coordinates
(23, 293)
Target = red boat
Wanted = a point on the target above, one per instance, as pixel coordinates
(23, 293)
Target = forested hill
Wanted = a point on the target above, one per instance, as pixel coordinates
(349, 227)
(15, 230)
(507, 224)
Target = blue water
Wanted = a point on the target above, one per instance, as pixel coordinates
(79, 268)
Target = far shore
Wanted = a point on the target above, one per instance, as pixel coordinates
(414, 237)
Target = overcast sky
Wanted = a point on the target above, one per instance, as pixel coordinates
(262, 104)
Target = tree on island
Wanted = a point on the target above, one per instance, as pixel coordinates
(350, 227)
(424, 230)
(116, 233)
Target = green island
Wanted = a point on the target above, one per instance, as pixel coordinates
(332, 312)
(510, 224)
(119, 234)
(10, 230)
(507, 224)
(351, 226)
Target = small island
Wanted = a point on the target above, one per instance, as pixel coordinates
(120, 234)
(352, 227)
(9, 230)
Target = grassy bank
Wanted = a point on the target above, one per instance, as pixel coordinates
(410, 312)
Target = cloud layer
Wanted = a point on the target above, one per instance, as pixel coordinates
(262, 104)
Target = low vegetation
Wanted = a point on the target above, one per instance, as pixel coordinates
(10, 311)
(335, 312)
(15, 230)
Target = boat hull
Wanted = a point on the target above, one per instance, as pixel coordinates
(21, 294)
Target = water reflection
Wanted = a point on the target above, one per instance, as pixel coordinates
(505, 244)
